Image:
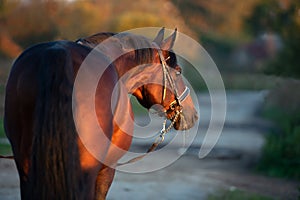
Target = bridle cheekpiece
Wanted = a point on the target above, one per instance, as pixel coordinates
(179, 98)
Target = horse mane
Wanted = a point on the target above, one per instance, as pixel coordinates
(130, 41)
(135, 45)
(94, 40)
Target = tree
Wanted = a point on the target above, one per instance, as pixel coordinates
(8, 47)
(283, 18)
(29, 23)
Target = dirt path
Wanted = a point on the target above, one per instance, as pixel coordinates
(229, 166)
(9, 180)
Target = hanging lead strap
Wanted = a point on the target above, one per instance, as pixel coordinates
(158, 140)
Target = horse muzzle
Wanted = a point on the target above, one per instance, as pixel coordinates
(188, 116)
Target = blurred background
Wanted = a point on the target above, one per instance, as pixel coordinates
(255, 45)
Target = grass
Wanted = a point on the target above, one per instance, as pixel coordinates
(281, 152)
(5, 149)
(137, 108)
(2, 89)
(2, 133)
(236, 195)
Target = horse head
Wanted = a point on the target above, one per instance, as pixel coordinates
(150, 71)
(166, 92)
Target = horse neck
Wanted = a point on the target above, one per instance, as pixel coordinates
(127, 61)
(133, 74)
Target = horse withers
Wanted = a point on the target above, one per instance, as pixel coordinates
(46, 115)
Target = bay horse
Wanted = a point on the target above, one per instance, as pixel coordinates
(52, 160)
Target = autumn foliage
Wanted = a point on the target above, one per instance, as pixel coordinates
(24, 23)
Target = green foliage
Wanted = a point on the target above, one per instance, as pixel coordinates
(219, 48)
(212, 17)
(261, 19)
(193, 76)
(236, 195)
(5, 148)
(219, 26)
(281, 153)
(287, 62)
(137, 108)
(282, 18)
(2, 133)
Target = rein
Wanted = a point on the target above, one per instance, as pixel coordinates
(178, 100)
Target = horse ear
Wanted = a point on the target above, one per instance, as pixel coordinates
(168, 43)
(160, 36)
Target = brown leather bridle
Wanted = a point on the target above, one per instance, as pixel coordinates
(177, 103)
(167, 78)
